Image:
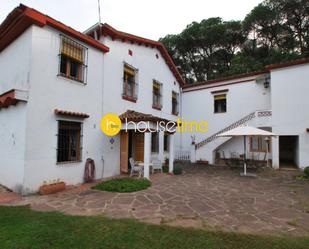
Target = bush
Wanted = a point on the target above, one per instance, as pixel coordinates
(165, 169)
(306, 171)
(177, 169)
(123, 185)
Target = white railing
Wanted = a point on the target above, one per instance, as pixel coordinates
(244, 120)
(182, 155)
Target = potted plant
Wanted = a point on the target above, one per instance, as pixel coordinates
(51, 188)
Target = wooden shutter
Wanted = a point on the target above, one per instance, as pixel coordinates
(72, 49)
(124, 151)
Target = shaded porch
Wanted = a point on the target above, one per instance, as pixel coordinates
(143, 140)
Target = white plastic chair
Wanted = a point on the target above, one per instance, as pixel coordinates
(135, 168)
(156, 165)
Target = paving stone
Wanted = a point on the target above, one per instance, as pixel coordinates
(208, 197)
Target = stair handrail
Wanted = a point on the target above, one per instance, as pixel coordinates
(228, 128)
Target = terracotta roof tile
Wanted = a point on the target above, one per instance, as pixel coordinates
(8, 98)
(138, 116)
(71, 114)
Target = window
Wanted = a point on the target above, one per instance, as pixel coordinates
(156, 95)
(155, 142)
(175, 104)
(129, 83)
(72, 60)
(220, 103)
(258, 144)
(69, 141)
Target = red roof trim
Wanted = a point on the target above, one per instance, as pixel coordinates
(23, 17)
(233, 77)
(288, 64)
(115, 34)
(7, 99)
(72, 114)
(216, 86)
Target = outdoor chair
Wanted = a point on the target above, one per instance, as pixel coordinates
(156, 165)
(135, 168)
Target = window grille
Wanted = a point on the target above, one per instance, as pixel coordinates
(157, 94)
(69, 147)
(175, 103)
(73, 60)
(130, 86)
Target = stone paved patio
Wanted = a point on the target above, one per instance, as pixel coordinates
(203, 197)
(7, 196)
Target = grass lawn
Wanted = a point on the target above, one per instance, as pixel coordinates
(123, 185)
(22, 228)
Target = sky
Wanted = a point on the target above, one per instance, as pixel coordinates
(150, 19)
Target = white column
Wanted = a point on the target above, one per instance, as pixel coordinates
(193, 153)
(171, 153)
(147, 153)
(161, 146)
(275, 152)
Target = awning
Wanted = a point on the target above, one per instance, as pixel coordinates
(71, 114)
(134, 116)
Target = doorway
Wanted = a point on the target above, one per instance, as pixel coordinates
(288, 151)
(131, 145)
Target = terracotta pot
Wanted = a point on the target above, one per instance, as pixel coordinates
(52, 188)
(202, 162)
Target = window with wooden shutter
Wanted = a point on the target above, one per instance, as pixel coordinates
(220, 103)
(129, 83)
(175, 103)
(73, 57)
(156, 95)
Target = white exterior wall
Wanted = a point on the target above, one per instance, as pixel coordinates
(242, 99)
(12, 146)
(149, 68)
(48, 92)
(289, 94)
(15, 59)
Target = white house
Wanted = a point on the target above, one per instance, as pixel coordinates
(273, 99)
(57, 83)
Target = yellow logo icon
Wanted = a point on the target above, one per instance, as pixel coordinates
(110, 124)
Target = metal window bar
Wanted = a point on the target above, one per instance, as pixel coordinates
(75, 57)
(69, 144)
(157, 90)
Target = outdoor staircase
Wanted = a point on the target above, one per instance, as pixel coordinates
(211, 141)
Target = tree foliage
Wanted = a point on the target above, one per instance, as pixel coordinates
(274, 31)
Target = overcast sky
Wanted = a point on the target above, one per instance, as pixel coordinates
(151, 19)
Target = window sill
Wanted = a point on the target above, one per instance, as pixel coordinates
(258, 151)
(219, 112)
(71, 79)
(128, 98)
(159, 108)
(68, 162)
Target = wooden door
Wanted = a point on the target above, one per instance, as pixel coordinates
(139, 146)
(124, 151)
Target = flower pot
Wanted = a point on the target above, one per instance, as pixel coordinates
(52, 188)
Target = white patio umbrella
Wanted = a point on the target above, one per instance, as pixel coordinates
(244, 131)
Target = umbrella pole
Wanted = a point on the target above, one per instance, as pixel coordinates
(245, 163)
